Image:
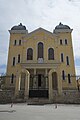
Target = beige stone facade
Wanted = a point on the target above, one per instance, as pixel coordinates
(40, 62)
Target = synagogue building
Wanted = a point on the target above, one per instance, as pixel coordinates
(40, 62)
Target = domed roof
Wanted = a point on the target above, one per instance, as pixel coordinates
(61, 26)
(18, 27)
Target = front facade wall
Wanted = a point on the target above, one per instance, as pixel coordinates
(41, 68)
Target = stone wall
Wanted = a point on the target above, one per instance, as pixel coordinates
(67, 97)
(6, 96)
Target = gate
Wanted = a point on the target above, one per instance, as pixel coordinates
(38, 93)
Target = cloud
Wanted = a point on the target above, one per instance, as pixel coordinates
(2, 69)
(77, 70)
(38, 13)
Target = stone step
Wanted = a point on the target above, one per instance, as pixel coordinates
(37, 101)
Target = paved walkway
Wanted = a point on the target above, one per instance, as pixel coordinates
(45, 112)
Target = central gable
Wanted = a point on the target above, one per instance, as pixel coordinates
(40, 33)
(40, 30)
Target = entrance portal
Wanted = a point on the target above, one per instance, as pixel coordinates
(39, 91)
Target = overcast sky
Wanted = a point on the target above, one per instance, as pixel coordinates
(39, 13)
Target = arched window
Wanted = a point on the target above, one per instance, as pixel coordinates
(63, 75)
(12, 78)
(14, 61)
(69, 78)
(18, 58)
(15, 42)
(67, 60)
(66, 42)
(30, 54)
(60, 41)
(19, 42)
(40, 50)
(62, 57)
(50, 54)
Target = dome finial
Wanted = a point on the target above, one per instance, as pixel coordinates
(60, 23)
(20, 24)
(19, 27)
(61, 26)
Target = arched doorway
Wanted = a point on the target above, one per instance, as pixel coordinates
(54, 81)
(22, 82)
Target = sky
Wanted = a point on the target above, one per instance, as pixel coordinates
(39, 13)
